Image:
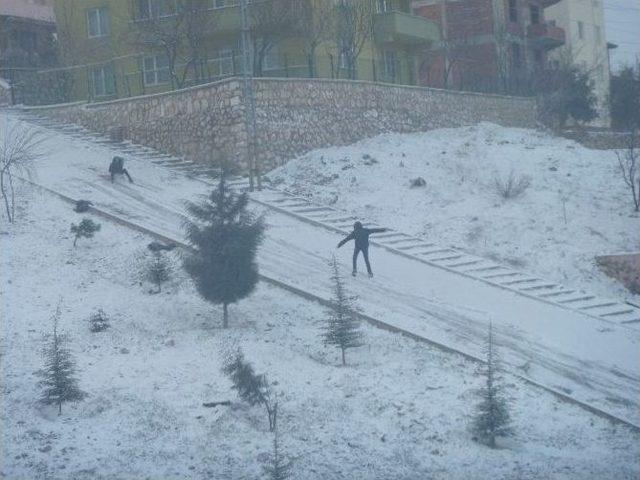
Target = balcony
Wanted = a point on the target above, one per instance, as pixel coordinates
(546, 35)
(399, 27)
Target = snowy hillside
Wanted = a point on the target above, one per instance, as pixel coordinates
(400, 409)
(576, 207)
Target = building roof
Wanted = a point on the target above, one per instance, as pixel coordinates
(39, 10)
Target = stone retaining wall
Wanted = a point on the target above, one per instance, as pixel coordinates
(207, 122)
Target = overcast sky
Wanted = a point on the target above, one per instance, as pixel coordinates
(622, 19)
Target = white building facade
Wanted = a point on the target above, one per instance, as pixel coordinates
(586, 43)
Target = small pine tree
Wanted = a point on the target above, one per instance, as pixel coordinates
(87, 228)
(99, 321)
(492, 417)
(279, 468)
(226, 242)
(158, 270)
(58, 376)
(343, 326)
(251, 387)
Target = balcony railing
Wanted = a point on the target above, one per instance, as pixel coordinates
(546, 35)
(400, 27)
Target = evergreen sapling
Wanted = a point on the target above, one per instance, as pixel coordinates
(226, 238)
(492, 418)
(343, 326)
(98, 322)
(87, 228)
(58, 376)
(158, 270)
(251, 387)
(279, 468)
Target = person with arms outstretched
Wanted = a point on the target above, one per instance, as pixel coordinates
(117, 167)
(360, 236)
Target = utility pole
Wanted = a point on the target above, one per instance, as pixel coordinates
(249, 97)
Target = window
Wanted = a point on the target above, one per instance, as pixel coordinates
(383, 6)
(535, 14)
(224, 3)
(390, 61)
(516, 54)
(225, 61)
(98, 22)
(103, 81)
(146, 9)
(581, 30)
(513, 11)
(156, 70)
(271, 59)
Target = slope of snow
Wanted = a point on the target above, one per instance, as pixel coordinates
(577, 206)
(399, 410)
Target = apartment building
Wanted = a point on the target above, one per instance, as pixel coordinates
(586, 45)
(26, 34)
(117, 48)
(488, 45)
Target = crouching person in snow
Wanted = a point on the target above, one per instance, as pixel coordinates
(117, 167)
(360, 236)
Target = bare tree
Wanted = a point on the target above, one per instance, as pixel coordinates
(353, 28)
(176, 29)
(629, 163)
(315, 21)
(271, 21)
(21, 146)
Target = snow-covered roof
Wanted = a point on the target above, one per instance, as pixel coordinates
(41, 10)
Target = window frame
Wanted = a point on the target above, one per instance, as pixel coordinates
(156, 71)
(104, 81)
(102, 14)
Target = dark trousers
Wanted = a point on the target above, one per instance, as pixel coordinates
(365, 254)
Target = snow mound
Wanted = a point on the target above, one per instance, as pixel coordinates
(576, 207)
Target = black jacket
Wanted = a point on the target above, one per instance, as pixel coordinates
(361, 236)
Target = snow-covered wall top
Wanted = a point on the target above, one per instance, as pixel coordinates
(207, 123)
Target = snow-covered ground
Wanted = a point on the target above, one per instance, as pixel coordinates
(577, 206)
(400, 409)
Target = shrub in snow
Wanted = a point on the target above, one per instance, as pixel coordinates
(511, 187)
(58, 376)
(278, 467)
(629, 163)
(20, 147)
(492, 417)
(343, 326)
(418, 182)
(225, 237)
(158, 270)
(87, 228)
(251, 387)
(98, 322)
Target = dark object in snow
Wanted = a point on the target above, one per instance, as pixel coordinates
(117, 167)
(82, 206)
(361, 237)
(368, 159)
(157, 246)
(86, 229)
(225, 403)
(98, 322)
(418, 182)
(58, 376)
(343, 326)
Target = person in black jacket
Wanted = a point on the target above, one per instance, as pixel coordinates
(360, 235)
(117, 167)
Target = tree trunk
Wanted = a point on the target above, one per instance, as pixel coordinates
(59, 408)
(75, 240)
(5, 197)
(225, 315)
(344, 361)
